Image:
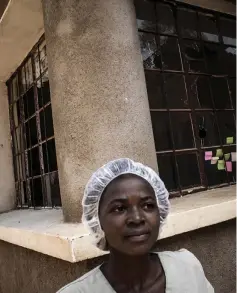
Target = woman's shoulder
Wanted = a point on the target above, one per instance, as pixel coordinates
(182, 256)
(180, 262)
(182, 265)
(89, 280)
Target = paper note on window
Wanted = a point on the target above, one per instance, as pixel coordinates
(214, 160)
(219, 153)
(208, 156)
(227, 156)
(221, 165)
(233, 157)
(230, 140)
(229, 166)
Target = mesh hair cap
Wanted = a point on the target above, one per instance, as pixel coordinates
(101, 179)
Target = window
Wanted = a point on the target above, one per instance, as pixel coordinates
(34, 155)
(189, 61)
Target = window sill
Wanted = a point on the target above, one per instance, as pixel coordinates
(44, 231)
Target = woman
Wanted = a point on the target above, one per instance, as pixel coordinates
(125, 205)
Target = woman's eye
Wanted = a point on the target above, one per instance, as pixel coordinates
(149, 206)
(119, 209)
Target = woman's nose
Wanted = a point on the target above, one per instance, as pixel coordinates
(135, 216)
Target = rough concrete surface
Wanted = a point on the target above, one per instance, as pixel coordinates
(25, 271)
(98, 91)
(7, 185)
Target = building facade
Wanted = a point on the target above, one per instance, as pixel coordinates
(85, 82)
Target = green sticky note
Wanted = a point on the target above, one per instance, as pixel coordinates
(219, 153)
(221, 165)
(227, 156)
(230, 140)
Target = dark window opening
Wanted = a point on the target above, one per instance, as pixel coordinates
(189, 57)
(33, 145)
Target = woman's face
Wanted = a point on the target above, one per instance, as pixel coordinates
(129, 215)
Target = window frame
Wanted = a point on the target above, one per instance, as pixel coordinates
(153, 31)
(41, 189)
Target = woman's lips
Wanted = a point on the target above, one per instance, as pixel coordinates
(138, 238)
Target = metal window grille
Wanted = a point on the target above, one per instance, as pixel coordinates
(189, 57)
(32, 132)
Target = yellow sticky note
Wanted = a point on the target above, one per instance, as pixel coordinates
(227, 156)
(230, 140)
(221, 165)
(219, 153)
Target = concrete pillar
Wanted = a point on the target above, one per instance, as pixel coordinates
(7, 182)
(99, 99)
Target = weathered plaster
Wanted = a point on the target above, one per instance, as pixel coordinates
(98, 91)
(7, 186)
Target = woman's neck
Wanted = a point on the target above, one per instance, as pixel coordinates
(128, 269)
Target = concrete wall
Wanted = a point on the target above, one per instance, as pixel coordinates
(7, 185)
(30, 271)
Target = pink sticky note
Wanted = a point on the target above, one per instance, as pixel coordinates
(208, 156)
(228, 166)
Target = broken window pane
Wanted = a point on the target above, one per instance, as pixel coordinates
(167, 171)
(220, 93)
(187, 21)
(37, 64)
(23, 80)
(175, 91)
(154, 86)
(229, 59)
(28, 73)
(150, 51)
(170, 53)
(228, 31)
(43, 57)
(146, 17)
(213, 58)
(43, 90)
(207, 121)
(166, 22)
(189, 173)
(199, 91)
(208, 28)
(193, 56)
(161, 131)
(182, 130)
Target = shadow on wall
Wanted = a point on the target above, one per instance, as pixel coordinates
(29, 271)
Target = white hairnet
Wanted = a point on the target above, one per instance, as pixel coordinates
(101, 179)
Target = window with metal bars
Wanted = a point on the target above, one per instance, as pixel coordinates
(189, 57)
(32, 132)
